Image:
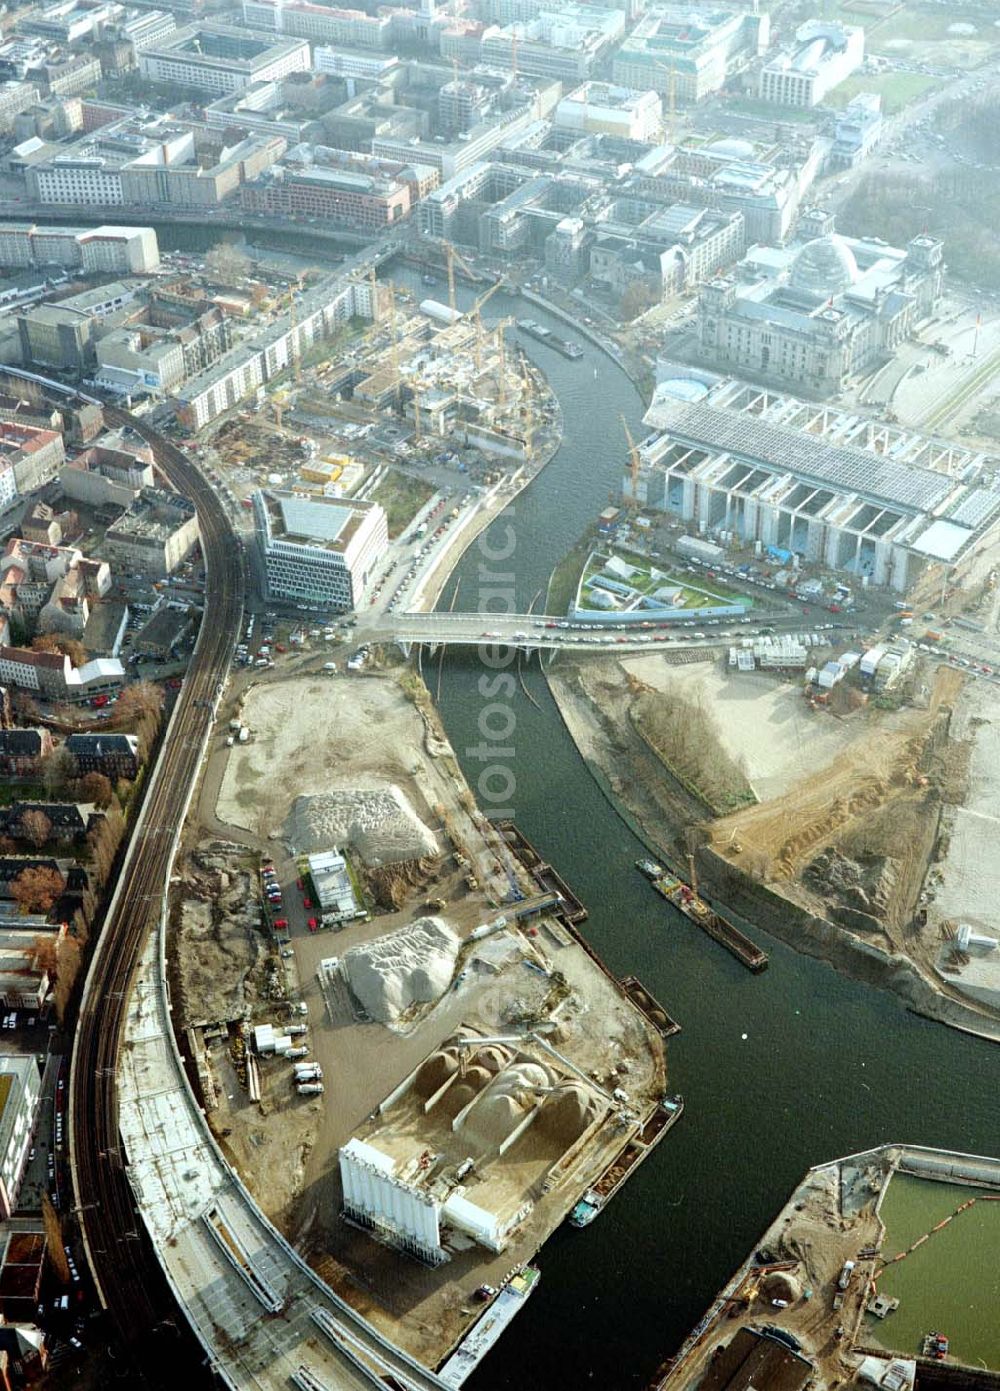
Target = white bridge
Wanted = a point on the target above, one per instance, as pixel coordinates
(529, 633)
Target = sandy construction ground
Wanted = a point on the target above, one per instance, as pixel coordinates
(763, 721)
(970, 885)
(315, 733)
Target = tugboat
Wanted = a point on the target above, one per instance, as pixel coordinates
(936, 1346)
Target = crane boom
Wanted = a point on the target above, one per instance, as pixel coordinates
(633, 453)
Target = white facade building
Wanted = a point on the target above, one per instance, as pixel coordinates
(117, 250)
(95, 183)
(219, 59)
(321, 552)
(858, 496)
(825, 54)
(20, 1085)
(600, 108)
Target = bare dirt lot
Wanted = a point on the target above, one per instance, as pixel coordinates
(878, 763)
(312, 735)
(764, 723)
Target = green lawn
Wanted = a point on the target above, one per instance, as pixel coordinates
(402, 496)
(897, 89)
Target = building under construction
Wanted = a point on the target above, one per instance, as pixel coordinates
(453, 377)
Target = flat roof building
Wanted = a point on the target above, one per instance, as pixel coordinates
(220, 58)
(320, 552)
(155, 535)
(20, 1086)
(863, 497)
(694, 48)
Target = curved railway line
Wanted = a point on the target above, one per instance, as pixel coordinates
(129, 1280)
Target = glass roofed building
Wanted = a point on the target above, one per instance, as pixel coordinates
(873, 500)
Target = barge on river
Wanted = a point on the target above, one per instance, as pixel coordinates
(686, 898)
(639, 1148)
(566, 346)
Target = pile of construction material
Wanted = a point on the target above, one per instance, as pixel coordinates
(379, 824)
(412, 966)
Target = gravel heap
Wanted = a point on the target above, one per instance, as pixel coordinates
(411, 966)
(380, 825)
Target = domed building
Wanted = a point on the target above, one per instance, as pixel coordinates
(825, 266)
(818, 314)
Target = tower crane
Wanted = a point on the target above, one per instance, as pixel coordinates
(477, 319)
(633, 453)
(393, 344)
(452, 256)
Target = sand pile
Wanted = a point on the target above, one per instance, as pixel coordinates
(379, 824)
(412, 966)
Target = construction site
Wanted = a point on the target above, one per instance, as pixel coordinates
(875, 1272)
(423, 395)
(503, 1068)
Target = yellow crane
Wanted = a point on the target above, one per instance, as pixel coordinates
(502, 360)
(633, 453)
(477, 319)
(416, 414)
(393, 343)
(452, 256)
(528, 397)
(293, 337)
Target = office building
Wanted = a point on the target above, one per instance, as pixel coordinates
(353, 192)
(94, 250)
(155, 535)
(29, 457)
(818, 315)
(857, 132)
(20, 1089)
(14, 98)
(823, 56)
(321, 552)
(218, 58)
(689, 49)
(874, 501)
(319, 23)
(599, 107)
(564, 44)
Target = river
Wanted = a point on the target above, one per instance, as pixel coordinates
(779, 1071)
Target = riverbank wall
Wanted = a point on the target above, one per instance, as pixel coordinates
(818, 937)
(733, 892)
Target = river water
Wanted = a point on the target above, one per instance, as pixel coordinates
(779, 1071)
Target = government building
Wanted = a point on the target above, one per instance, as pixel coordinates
(747, 467)
(819, 315)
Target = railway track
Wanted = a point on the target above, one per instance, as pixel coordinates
(128, 1277)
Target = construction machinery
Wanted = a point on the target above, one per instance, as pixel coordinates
(451, 256)
(632, 499)
(477, 317)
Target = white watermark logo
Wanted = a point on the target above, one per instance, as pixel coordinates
(496, 723)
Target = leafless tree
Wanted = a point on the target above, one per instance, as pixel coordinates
(36, 828)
